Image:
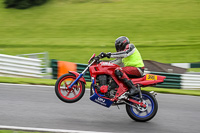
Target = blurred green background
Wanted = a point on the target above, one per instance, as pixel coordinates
(167, 31)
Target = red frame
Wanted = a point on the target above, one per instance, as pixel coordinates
(109, 68)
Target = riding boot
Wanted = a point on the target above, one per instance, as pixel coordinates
(132, 89)
(122, 76)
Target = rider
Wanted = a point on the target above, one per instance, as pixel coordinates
(132, 60)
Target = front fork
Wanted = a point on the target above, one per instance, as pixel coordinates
(75, 81)
(80, 76)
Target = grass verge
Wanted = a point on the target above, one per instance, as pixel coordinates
(173, 91)
(51, 82)
(73, 31)
(33, 81)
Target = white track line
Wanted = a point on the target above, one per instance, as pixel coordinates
(45, 130)
(28, 85)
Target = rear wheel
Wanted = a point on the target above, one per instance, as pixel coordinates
(143, 114)
(69, 95)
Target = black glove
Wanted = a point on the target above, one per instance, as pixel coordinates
(108, 54)
(102, 55)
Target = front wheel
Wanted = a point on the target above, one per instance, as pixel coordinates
(69, 95)
(143, 114)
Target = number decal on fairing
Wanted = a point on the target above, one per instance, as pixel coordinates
(151, 77)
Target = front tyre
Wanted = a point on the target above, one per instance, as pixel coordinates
(69, 95)
(142, 114)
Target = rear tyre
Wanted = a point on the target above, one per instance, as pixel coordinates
(69, 95)
(142, 114)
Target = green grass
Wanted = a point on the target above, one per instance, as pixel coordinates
(33, 81)
(166, 31)
(174, 91)
(51, 82)
(193, 70)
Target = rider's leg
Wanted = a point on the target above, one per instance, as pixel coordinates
(134, 72)
(122, 76)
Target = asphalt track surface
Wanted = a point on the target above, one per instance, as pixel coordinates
(38, 106)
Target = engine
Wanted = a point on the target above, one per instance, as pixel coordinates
(106, 86)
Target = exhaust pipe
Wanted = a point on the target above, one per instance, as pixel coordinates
(153, 93)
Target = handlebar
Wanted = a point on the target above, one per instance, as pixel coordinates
(103, 55)
(100, 56)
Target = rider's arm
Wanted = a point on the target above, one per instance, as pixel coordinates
(129, 50)
(118, 62)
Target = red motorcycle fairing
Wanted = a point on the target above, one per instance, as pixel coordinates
(77, 74)
(148, 79)
(107, 68)
(102, 68)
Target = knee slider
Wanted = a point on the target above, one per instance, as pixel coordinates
(118, 73)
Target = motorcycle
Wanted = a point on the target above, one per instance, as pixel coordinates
(106, 89)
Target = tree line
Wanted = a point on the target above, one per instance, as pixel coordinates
(23, 4)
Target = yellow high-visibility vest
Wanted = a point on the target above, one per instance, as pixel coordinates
(134, 60)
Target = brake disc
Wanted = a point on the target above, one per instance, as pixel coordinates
(138, 107)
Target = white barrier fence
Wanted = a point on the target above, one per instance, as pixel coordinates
(179, 81)
(20, 66)
(190, 81)
(186, 65)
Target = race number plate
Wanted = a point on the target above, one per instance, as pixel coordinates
(151, 77)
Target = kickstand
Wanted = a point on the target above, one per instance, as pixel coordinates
(118, 107)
